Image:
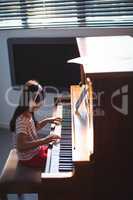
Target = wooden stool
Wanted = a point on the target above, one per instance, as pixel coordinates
(18, 179)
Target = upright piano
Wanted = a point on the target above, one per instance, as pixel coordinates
(108, 61)
(82, 166)
(68, 171)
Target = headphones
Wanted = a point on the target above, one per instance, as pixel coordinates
(35, 94)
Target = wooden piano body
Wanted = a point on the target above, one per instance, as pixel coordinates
(109, 64)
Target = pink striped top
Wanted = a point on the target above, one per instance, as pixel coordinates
(25, 125)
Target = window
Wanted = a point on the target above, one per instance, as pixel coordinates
(65, 13)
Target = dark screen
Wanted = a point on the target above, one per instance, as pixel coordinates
(44, 60)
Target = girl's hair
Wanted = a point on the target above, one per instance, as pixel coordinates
(32, 91)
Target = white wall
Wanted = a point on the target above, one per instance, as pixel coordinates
(5, 80)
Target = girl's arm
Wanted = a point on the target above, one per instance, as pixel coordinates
(23, 144)
(43, 122)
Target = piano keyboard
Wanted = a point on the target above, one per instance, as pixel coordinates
(60, 153)
(65, 158)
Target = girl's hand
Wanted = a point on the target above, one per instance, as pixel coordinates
(52, 138)
(55, 120)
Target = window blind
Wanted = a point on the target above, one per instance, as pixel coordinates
(16, 14)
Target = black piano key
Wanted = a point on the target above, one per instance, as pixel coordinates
(63, 149)
(69, 157)
(66, 128)
(63, 140)
(66, 169)
(66, 143)
(66, 139)
(64, 146)
(66, 136)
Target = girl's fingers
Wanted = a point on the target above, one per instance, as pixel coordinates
(54, 136)
(58, 119)
(57, 122)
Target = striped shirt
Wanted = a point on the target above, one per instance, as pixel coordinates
(25, 125)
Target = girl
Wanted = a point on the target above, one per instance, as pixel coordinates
(31, 150)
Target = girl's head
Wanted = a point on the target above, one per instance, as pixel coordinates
(31, 98)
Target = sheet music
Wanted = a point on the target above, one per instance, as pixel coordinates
(81, 98)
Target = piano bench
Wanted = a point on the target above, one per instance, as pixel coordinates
(18, 179)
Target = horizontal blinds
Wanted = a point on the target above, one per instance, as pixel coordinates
(65, 13)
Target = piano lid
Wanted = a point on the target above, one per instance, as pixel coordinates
(105, 54)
